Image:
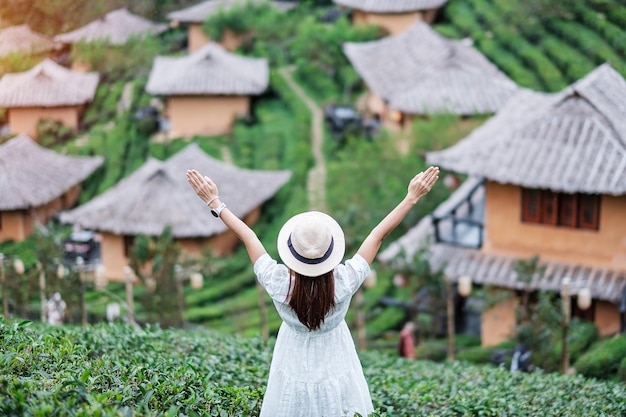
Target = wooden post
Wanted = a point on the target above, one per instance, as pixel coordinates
(130, 278)
(360, 320)
(181, 299)
(265, 331)
(5, 296)
(450, 314)
(80, 263)
(565, 296)
(42, 292)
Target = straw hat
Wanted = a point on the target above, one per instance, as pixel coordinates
(311, 243)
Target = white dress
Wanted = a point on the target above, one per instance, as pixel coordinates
(314, 373)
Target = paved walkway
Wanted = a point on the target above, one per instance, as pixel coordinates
(316, 178)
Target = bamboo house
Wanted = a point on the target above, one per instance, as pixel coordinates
(193, 18)
(547, 178)
(206, 91)
(37, 183)
(46, 91)
(420, 72)
(395, 16)
(157, 196)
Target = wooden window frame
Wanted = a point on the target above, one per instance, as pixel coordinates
(568, 201)
(594, 224)
(129, 241)
(527, 216)
(560, 209)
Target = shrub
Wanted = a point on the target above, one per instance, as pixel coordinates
(52, 132)
(621, 372)
(603, 360)
(434, 350)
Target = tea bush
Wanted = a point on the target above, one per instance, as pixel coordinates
(118, 370)
(603, 359)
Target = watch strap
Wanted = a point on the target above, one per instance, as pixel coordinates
(217, 211)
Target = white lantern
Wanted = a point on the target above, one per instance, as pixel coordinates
(196, 280)
(100, 273)
(584, 298)
(60, 271)
(151, 285)
(19, 266)
(370, 281)
(465, 286)
(399, 280)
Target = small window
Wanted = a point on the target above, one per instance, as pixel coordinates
(588, 211)
(567, 210)
(129, 241)
(580, 211)
(0, 220)
(549, 207)
(531, 201)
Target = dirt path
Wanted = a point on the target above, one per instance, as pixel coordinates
(316, 178)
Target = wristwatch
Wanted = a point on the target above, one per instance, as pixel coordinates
(218, 210)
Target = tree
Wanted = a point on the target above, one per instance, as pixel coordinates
(539, 316)
(154, 261)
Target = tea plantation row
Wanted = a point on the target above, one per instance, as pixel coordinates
(125, 371)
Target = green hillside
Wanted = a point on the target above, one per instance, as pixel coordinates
(539, 45)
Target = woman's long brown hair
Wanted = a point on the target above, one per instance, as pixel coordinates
(311, 298)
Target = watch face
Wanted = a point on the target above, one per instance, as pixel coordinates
(214, 213)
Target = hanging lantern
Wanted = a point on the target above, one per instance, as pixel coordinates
(101, 280)
(151, 285)
(465, 286)
(584, 298)
(370, 281)
(400, 280)
(197, 280)
(19, 266)
(60, 271)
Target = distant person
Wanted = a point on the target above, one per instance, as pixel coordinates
(406, 342)
(56, 309)
(315, 370)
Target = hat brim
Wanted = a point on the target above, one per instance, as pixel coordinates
(312, 270)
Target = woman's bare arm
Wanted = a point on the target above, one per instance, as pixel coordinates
(419, 186)
(207, 191)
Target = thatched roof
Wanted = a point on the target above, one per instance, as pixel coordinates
(116, 28)
(498, 270)
(31, 176)
(572, 141)
(209, 70)
(391, 6)
(200, 12)
(48, 84)
(158, 195)
(21, 39)
(421, 72)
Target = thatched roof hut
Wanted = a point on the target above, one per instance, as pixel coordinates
(48, 84)
(391, 6)
(31, 176)
(421, 72)
(573, 141)
(116, 28)
(200, 12)
(210, 70)
(157, 195)
(21, 39)
(465, 209)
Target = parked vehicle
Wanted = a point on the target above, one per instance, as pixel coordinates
(84, 244)
(342, 119)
